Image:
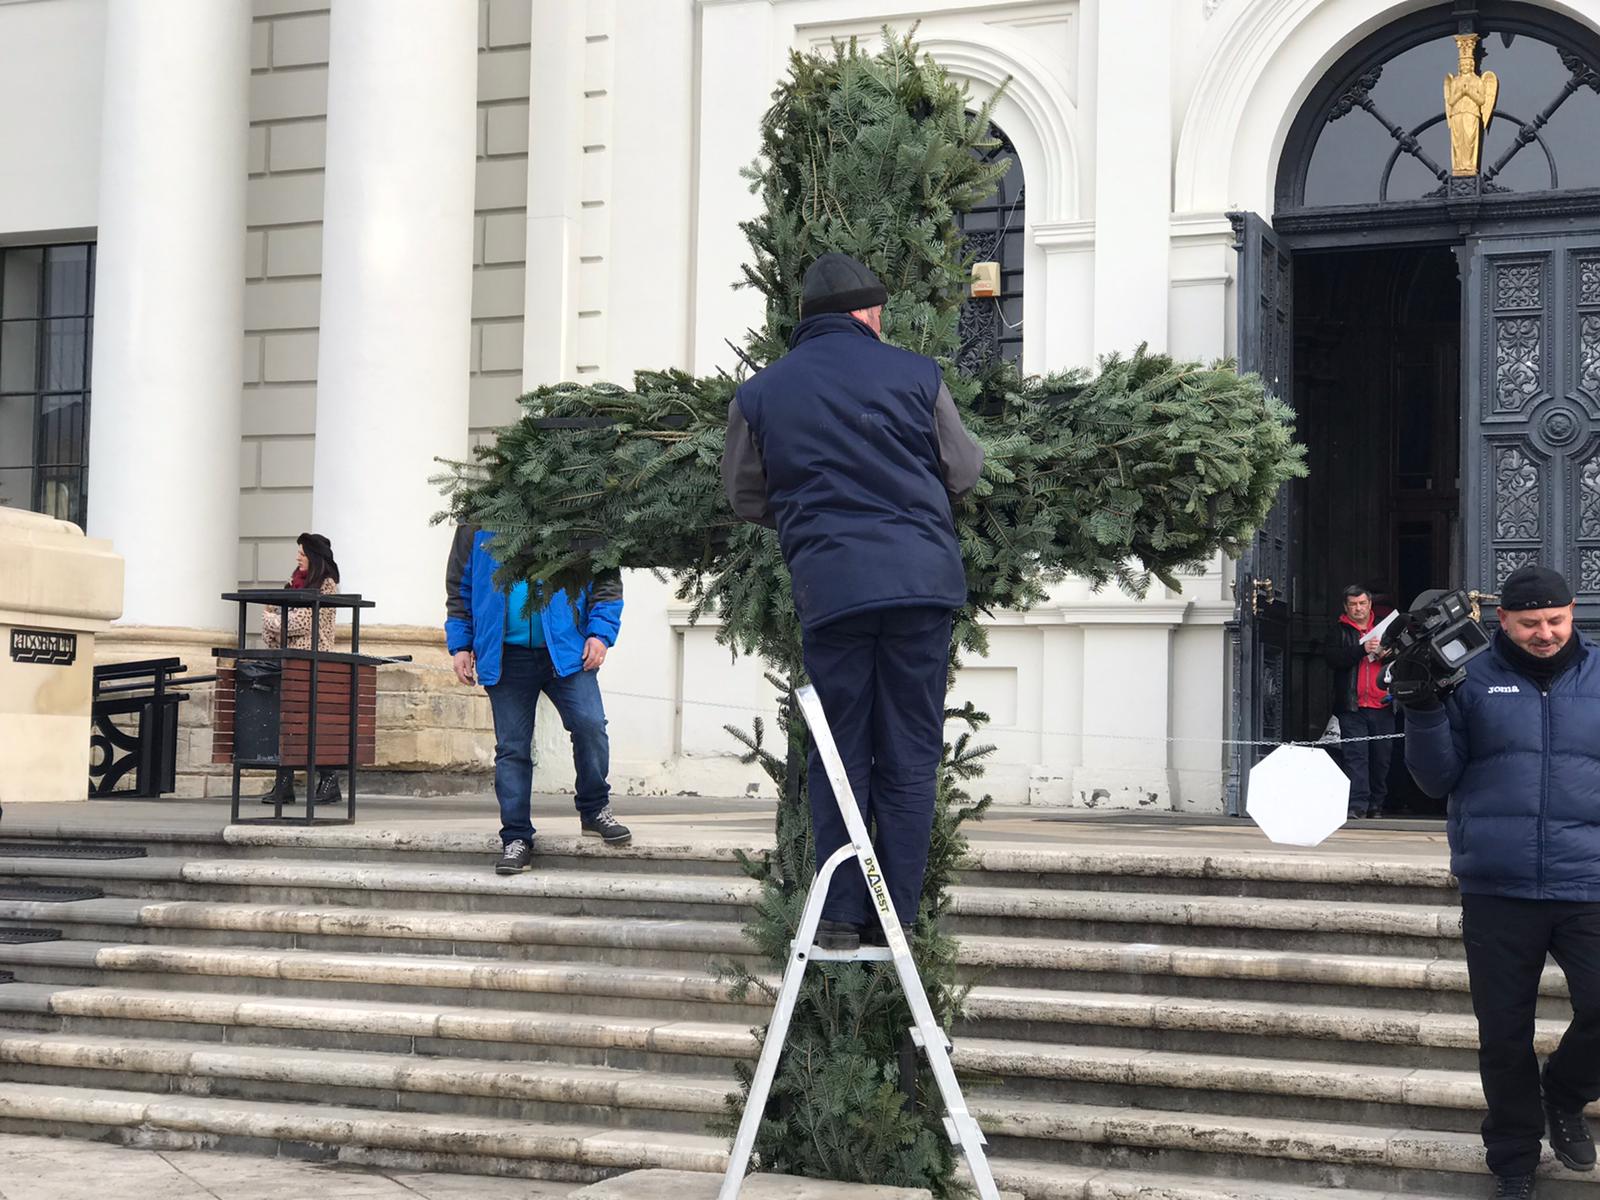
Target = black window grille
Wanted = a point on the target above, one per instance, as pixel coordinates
(992, 329)
(1376, 131)
(46, 343)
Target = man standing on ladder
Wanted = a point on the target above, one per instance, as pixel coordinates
(853, 450)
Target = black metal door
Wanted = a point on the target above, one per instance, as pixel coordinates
(1531, 430)
(1262, 585)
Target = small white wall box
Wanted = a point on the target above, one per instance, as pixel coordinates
(985, 279)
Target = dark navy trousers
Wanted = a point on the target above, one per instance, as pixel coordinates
(881, 679)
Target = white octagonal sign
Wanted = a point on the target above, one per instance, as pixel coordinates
(1298, 795)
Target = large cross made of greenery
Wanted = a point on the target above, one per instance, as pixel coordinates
(1124, 475)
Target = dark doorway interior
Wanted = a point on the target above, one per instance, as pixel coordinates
(1377, 388)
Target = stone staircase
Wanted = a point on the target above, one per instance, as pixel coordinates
(1143, 1026)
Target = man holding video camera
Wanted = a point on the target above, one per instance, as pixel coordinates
(1517, 748)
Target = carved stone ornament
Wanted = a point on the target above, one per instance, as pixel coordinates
(1507, 561)
(1518, 357)
(1559, 426)
(1589, 569)
(1589, 355)
(1519, 285)
(1469, 100)
(1589, 497)
(1516, 495)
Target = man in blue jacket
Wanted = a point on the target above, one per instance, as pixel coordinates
(520, 646)
(853, 450)
(1517, 749)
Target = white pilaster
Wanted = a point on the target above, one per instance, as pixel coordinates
(169, 301)
(1067, 330)
(1127, 682)
(392, 366)
(737, 74)
(1133, 174)
(555, 195)
(1201, 298)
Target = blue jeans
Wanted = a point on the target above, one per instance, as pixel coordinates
(880, 677)
(524, 675)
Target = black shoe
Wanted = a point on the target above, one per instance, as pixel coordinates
(607, 828)
(328, 788)
(836, 935)
(1354, 814)
(1513, 1187)
(872, 934)
(1570, 1137)
(282, 789)
(517, 858)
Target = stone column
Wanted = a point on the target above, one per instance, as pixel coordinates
(739, 66)
(1133, 174)
(393, 358)
(169, 301)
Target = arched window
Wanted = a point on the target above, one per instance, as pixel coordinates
(1376, 132)
(994, 232)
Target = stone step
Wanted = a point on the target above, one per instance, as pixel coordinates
(690, 1047)
(640, 941)
(1243, 921)
(1271, 872)
(595, 988)
(1398, 1037)
(1222, 920)
(297, 881)
(1268, 872)
(574, 1152)
(1347, 1093)
(1012, 961)
(1258, 1148)
(529, 1091)
(1061, 1181)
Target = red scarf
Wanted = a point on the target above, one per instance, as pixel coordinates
(298, 580)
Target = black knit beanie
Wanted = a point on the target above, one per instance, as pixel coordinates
(837, 283)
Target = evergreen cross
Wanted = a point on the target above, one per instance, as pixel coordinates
(1130, 474)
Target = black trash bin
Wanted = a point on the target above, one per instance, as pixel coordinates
(255, 736)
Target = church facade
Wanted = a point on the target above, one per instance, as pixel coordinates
(264, 262)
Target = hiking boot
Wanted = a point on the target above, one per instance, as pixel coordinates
(1570, 1138)
(607, 828)
(836, 935)
(328, 788)
(1513, 1187)
(282, 789)
(517, 858)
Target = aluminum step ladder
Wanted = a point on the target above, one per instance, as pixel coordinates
(926, 1033)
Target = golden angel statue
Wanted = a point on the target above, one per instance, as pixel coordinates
(1468, 105)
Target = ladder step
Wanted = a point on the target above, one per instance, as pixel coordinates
(865, 954)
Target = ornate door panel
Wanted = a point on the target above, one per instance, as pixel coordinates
(1531, 433)
(1262, 584)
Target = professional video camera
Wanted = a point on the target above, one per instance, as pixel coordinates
(1432, 644)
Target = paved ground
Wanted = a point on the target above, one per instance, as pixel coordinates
(750, 821)
(38, 1168)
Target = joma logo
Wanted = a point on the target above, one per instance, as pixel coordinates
(1505, 689)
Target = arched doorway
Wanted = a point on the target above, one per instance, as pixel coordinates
(1429, 302)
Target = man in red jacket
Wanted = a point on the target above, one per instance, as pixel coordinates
(1360, 702)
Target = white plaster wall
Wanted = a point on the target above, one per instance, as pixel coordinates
(52, 53)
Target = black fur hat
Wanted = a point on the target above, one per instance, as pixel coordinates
(319, 552)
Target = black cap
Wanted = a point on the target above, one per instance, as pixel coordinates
(1534, 587)
(837, 283)
(317, 546)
